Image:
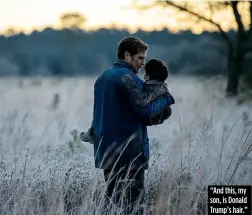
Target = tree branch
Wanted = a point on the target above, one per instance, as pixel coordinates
(238, 18)
(250, 13)
(223, 33)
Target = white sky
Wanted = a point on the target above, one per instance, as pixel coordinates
(37, 14)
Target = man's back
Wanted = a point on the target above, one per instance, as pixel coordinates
(115, 122)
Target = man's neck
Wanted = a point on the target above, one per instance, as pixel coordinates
(124, 62)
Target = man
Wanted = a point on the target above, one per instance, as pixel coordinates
(121, 144)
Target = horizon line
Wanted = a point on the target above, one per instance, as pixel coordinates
(17, 31)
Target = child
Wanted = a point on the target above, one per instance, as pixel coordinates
(156, 72)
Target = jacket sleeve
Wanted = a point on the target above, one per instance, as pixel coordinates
(141, 97)
(160, 118)
(152, 107)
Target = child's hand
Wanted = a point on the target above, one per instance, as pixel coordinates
(75, 141)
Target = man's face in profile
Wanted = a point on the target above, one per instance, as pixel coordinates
(137, 60)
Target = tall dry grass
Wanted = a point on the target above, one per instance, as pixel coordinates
(207, 140)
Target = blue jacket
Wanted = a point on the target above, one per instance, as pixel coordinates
(120, 133)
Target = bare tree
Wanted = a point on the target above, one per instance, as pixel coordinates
(11, 31)
(235, 49)
(72, 20)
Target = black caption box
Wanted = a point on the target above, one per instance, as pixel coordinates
(229, 199)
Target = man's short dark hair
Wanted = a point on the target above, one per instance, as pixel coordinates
(156, 70)
(131, 44)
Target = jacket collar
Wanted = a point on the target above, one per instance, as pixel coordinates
(154, 82)
(124, 64)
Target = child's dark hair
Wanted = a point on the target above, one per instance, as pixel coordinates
(156, 69)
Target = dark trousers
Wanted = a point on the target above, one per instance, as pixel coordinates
(126, 187)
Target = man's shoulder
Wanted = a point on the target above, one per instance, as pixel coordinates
(120, 74)
(113, 74)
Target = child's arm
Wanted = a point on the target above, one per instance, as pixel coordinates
(142, 97)
(151, 103)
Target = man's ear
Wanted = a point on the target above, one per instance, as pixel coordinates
(127, 56)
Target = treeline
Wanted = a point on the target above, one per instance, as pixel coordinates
(66, 52)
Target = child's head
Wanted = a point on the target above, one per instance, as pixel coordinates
(156, 70)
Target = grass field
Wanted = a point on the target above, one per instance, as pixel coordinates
(207, 140)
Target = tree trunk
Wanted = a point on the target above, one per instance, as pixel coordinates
(250, 13)
(235, 63)
(233, 78)
(236, 54)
